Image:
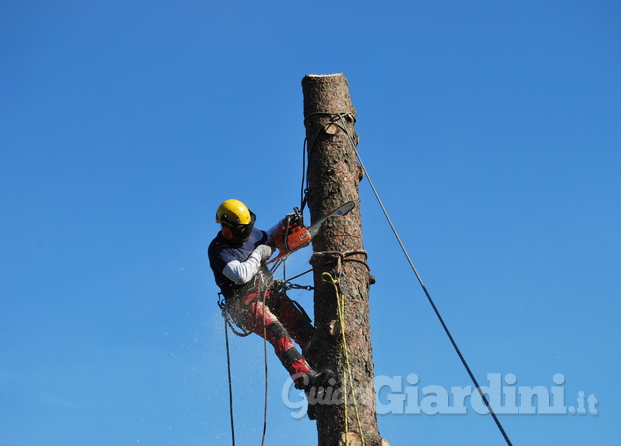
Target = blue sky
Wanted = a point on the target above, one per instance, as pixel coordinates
(491, 130)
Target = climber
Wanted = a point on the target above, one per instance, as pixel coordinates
(237, 257)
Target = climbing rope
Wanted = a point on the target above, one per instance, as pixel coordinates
(243, 333)
(276, 285)
(339, 119)
(347, 374)
(264, 293)
(228, 368)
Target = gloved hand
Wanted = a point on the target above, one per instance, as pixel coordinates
(264, 251)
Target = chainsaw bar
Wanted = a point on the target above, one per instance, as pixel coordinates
(344, 209)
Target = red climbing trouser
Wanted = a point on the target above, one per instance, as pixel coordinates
(282, 320)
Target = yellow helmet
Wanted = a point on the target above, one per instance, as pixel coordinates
(233, 213)
(236, 219)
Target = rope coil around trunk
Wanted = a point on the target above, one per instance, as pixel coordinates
(341, 256)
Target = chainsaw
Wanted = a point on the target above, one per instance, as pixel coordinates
(292, 235)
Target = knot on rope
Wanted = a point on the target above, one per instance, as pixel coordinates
(327, 278)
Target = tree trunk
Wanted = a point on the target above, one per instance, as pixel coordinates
(333, 177)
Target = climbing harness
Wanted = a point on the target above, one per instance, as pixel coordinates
(338, 120)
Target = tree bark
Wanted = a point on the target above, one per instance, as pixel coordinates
(333, 178)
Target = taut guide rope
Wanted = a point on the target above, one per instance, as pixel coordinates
(339, 119)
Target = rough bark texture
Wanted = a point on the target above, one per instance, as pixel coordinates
(333, 177)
